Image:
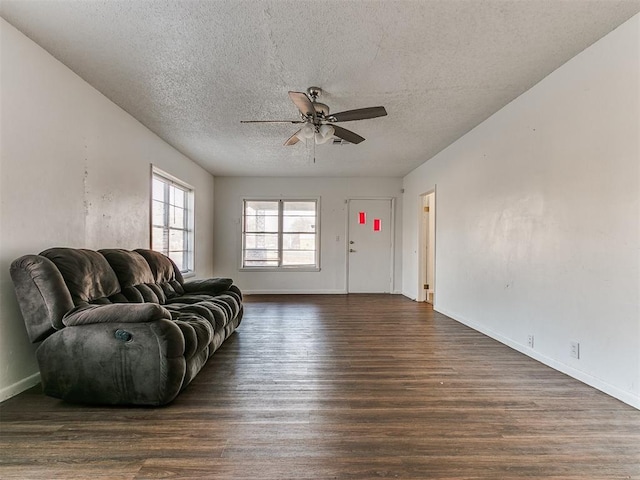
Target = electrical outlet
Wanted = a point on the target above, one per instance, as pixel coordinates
(574, 349)
(530, 341)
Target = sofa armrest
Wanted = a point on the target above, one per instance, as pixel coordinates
(211, 286)
(117, 312)
(114, 363)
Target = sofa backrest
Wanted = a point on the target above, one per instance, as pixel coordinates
(87, 274)
(137, 281)
(51, 284)
(165, 273)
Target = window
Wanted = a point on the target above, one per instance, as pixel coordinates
(281, 234)
(172, 219)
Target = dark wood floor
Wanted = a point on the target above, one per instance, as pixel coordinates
(339, 387)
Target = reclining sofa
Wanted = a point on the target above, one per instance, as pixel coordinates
(120, 327)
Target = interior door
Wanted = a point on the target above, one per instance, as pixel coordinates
(370, 246)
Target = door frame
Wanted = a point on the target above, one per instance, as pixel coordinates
(392, 253)
(424, 243)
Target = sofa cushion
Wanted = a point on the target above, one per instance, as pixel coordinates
(211, 286)
(116, 313)
(165, 273)
(87, 274)
(135, 276)
(198, 332)
(130, 267)
(150, 292)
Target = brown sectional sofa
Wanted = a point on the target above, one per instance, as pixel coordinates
(119, 326)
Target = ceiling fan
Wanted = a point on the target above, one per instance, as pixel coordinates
(318, 123)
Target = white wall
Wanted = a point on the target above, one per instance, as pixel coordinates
(75, 171)
(229, 192)
(538, 219)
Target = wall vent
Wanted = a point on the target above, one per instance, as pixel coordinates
(340, 141)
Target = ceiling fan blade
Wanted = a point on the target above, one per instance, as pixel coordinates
(293, 139)
(347, 135)
(303, 103)
(271, 121)
(358, 114)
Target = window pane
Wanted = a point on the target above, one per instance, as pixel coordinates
(158, 189)
(269, 241)
(159, 241)
(176, 196)
(261, 216)
(261, 223)
(299, 224)
(299, 208)
(176, 240)
(298, 241)
(176, 217)
(179, 259)
(261, 257)
(253, 254)
(299, 217)
(264, 207)
(158, 212)
(298, 257)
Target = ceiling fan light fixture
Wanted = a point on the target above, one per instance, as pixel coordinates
(307, 131)
(327, 131)
(324, 134)
(320, 139)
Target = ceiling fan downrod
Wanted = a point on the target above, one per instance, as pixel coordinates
(314, 93)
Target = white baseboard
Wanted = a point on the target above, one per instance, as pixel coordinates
(19, 387)
(294, 292)
(622, 395)
(301, 292)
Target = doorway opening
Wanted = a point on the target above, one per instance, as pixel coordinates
(427, 248)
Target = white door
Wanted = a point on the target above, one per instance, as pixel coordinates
(370, 247)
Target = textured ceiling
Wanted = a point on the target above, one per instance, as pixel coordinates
(191, 70)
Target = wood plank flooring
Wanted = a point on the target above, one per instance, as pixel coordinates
(339, 387)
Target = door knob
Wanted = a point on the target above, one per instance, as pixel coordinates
(351, 242)
(351, 250)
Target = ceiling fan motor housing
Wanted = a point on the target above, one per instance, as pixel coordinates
(321, 109)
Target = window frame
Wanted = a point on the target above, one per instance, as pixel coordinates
(280, 268)
(169, 180)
